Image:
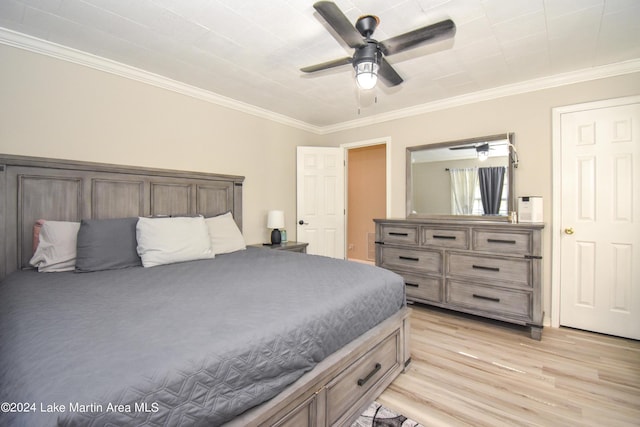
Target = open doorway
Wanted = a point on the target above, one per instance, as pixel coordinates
(366, 198)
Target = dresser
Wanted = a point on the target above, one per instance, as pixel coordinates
(489, 269)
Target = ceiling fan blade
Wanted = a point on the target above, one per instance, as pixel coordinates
(339, 22)
(387, 74)
(326, 65)
(431, 33)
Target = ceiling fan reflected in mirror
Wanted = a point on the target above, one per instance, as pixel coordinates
(368, 59)
(484, 146)
(482, 149)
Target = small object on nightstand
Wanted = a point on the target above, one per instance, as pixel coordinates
(284, 246)
(283, 235)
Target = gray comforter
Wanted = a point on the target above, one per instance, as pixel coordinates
(193, 343)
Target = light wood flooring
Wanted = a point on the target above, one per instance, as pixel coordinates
(472, 372)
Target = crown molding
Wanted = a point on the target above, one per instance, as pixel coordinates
(584, 75)
(44, 47)
(54, 50)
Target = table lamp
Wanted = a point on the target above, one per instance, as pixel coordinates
(275, 220)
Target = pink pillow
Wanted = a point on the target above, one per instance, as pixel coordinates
(36, 233)
(57, 244)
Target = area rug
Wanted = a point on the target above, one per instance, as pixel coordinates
(379, 416)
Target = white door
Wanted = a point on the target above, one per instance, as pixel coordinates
(320, 200)
(600, 219)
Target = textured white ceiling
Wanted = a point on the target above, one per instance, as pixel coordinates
(251, 50)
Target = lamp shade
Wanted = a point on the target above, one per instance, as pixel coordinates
(275, 219)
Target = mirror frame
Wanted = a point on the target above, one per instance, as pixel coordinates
(512, 164)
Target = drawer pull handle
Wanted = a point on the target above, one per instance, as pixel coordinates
(413, 285)
(391, 233)
(408, 258)
(362, 381)
(439, 236)
(486, 298)
(511, 242)
(482, 267)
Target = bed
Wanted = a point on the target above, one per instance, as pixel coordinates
(246, 337)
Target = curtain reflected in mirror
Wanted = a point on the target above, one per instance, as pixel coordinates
(491, 182)
(464, 183)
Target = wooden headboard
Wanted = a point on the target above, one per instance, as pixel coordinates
(33, 188)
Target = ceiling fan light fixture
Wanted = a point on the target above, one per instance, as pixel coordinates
(366, 74)
(483, 152)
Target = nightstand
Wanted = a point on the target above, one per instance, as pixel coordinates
(285, 246)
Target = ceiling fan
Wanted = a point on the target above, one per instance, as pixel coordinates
(369, 56)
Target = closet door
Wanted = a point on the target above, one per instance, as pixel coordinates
(600, 218)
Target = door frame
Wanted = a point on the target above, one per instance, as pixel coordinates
(556, 176)
(359, 144)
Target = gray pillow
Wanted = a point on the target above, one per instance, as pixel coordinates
(107, 244)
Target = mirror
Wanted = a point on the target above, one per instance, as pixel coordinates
(471, 178)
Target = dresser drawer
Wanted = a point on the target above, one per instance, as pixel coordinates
(411, 260)
(503, 242)
(512, 272)
(399, 234)
(361, 376)
(503, 302)
(423, 287)
(446, 237)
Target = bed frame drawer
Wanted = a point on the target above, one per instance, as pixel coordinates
(354, 382)
(302, 415)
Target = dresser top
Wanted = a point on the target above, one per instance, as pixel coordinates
(461, 222)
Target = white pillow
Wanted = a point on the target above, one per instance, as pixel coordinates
(169, 240)
(56, 249)
(225, 236)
